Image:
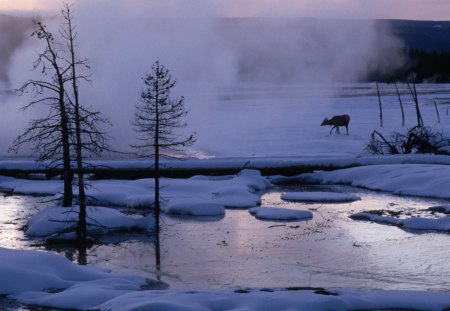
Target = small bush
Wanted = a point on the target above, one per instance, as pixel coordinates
(416, 140)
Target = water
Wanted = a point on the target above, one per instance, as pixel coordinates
(238, 250)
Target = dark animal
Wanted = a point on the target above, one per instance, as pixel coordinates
(337, 121)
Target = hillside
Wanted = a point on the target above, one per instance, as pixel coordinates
(430, 36)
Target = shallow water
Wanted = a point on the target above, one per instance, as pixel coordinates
(240, 251)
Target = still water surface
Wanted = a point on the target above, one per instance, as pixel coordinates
(237, 250)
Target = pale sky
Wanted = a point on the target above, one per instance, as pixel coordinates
(397, 9)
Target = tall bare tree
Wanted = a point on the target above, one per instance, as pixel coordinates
(380, 107)
(413, 90)
(70, 126)
(87, 135)
(401, 103)
(158, 120)
(50, 135)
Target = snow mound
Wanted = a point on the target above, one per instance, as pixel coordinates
(31, 271)
(413, 223)
(101, 220)
(279, 299)
(235, 191)
(195, 209)
(275, 213)
(49, 280)
(326, 197)
(430, 180)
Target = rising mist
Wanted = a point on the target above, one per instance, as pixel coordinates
(207, 51)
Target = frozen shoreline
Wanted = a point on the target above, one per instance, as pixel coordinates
(86, 294)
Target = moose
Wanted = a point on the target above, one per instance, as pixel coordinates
(337, 121)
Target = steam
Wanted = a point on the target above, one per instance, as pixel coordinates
(208, 50)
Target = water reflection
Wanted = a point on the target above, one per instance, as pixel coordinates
(234, 250)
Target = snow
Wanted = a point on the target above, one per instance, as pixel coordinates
(412, 223)
(276, 138)
(278, 299)
(430, 180)
(275, 213)
(254, 162)
(191, 196)
(100, 220)
(326, 197)
(45, 279)
(35, 271)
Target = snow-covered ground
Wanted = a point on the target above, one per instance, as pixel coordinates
(284, 120)
(273, 126)
(81, 287)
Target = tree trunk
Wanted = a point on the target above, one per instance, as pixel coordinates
(68, 174)
(379, 105)
(81, 226)
(413, 92)
(401, 104)
(157, 201)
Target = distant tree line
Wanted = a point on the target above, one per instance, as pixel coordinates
(427, 66)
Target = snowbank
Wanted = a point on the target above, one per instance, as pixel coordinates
(326, 197)
(278, 299)
(413, 223)
(190, 196)
(234, 191)
(275, 213)
(50, 280)
(430, 180)
(33, 271)
(100, 220)
(14, 163)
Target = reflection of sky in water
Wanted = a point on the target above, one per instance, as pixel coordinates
(13, 213)
(238, 250)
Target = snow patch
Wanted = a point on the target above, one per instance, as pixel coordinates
(278, 299)
(275, 213)
(30, 271)
(429, 180)
(413, 223)
(101, 220)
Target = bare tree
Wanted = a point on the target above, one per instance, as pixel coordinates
(50, 134)
(87, 135)
(379, 105)
(401, 104)
(69, 128)
(157, 121)
(412, 89)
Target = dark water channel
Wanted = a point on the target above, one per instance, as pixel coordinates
(237, 250)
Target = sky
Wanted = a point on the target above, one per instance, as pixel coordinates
(395, 9)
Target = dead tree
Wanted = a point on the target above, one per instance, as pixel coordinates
(49, 135)
(437, 111)
(379, 105)
(412, 89)
(157, 122)
(69, 126)
(87, 135)
(401, 104)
